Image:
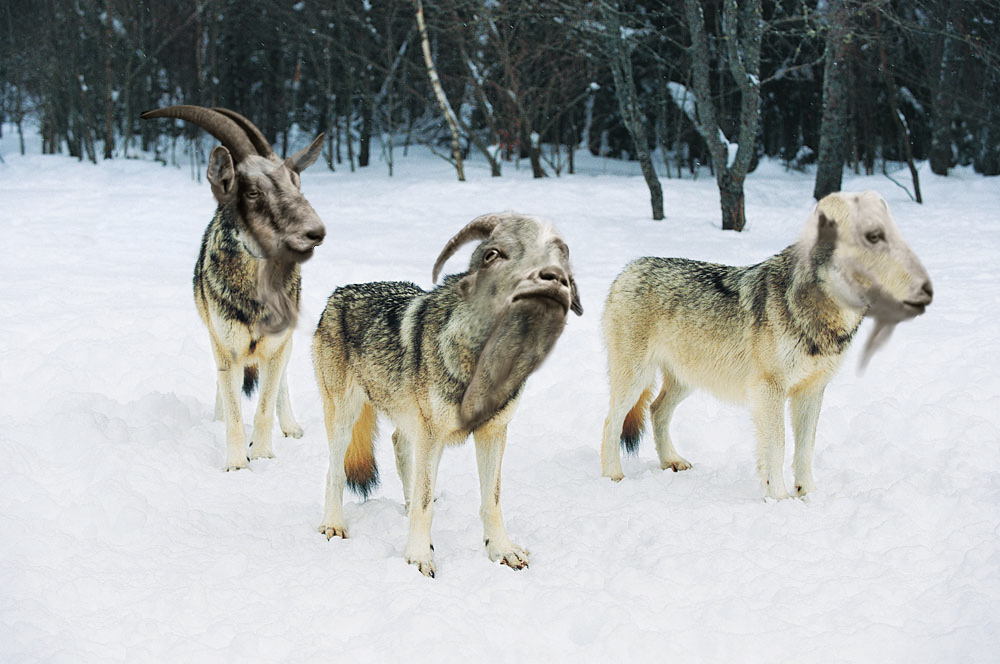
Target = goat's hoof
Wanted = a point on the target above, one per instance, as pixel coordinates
(333, 531)
(676, 465)
(425, 564)
(513, 556)
(293, 431)
(262, 454)
(802, 489)
(616, 477)
(238, 465)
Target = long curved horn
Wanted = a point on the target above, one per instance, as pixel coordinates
(479, 228)
(226, 130)
(250, 129)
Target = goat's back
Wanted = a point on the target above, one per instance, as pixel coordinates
(360, 336)
(718, 327)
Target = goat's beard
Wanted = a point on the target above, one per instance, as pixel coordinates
(280, 310)
(521, 339)
(887, 312)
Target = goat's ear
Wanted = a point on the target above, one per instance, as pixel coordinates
(467, 286)
(826, 230)
(575, 306)
(305, 157)
(221, 174)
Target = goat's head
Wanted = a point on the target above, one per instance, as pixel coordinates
(872, 266)
(279, 222)
(520, 286)
(278, 225)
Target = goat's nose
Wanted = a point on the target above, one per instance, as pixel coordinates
(316, 234)
(927, 288)
(553, 273)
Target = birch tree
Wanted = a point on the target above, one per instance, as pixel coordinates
(449, 114)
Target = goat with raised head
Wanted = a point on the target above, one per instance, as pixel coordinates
(247, 280)
(759, 335)
(441, 365)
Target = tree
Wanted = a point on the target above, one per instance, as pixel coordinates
(449, 114)
(833, 146)
(620, 62)
(741, 31)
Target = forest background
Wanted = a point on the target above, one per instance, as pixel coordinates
(683, 86)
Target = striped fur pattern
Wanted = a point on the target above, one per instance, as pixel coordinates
(247, 281)
(441, 365)
(758, 335)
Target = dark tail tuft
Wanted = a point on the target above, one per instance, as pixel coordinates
(359, 461)
(634, 423)
(249, 379)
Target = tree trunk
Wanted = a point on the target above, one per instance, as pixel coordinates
(731, 199)
(742, 37)
(449, 114)
(628, 103)
(833, 137)
(943, 106)
(109, 131)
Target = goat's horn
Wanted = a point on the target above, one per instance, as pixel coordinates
(256, 137)
(479, 228)
(226, 130)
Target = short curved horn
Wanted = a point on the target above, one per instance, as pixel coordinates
(226, 130)
(479, 228)
(250, 129)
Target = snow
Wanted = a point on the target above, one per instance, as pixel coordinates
(121, 538)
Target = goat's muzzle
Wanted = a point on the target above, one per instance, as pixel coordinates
(550, 285)
(299, 247)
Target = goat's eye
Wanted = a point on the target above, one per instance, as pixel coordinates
(252, 193)
(491, 256)
(875, 236)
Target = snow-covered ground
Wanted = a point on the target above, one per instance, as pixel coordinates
(122, 539)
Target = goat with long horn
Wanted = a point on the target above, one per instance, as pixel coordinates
(441, 365)
(247, 280)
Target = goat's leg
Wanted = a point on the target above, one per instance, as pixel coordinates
(490, 443)
(339, 415)
(767, 403)
(227, 395)
(661, 411)
(404, 463)
(427, 456)
(272, 371)
(806, 404)
(625, 393)
(286, 419)
(220, 408)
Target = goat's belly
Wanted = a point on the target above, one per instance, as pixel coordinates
(724, 369)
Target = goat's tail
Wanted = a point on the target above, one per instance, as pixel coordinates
(634, 422)
(359, 460)
(249, 379)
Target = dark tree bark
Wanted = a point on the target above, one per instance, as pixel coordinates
(943, 109)
(836, 80)
(742, 30)
(628, 101)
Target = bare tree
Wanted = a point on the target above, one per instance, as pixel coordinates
(836, 81)
(620, 62)
(449, 114)
(741, 31)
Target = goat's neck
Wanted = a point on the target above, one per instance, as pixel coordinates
(817, 303)
(273, 284)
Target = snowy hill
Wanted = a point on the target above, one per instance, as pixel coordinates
(121, 538)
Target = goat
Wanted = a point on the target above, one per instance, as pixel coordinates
(759, 334)
(441, 365)
(247, 281)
